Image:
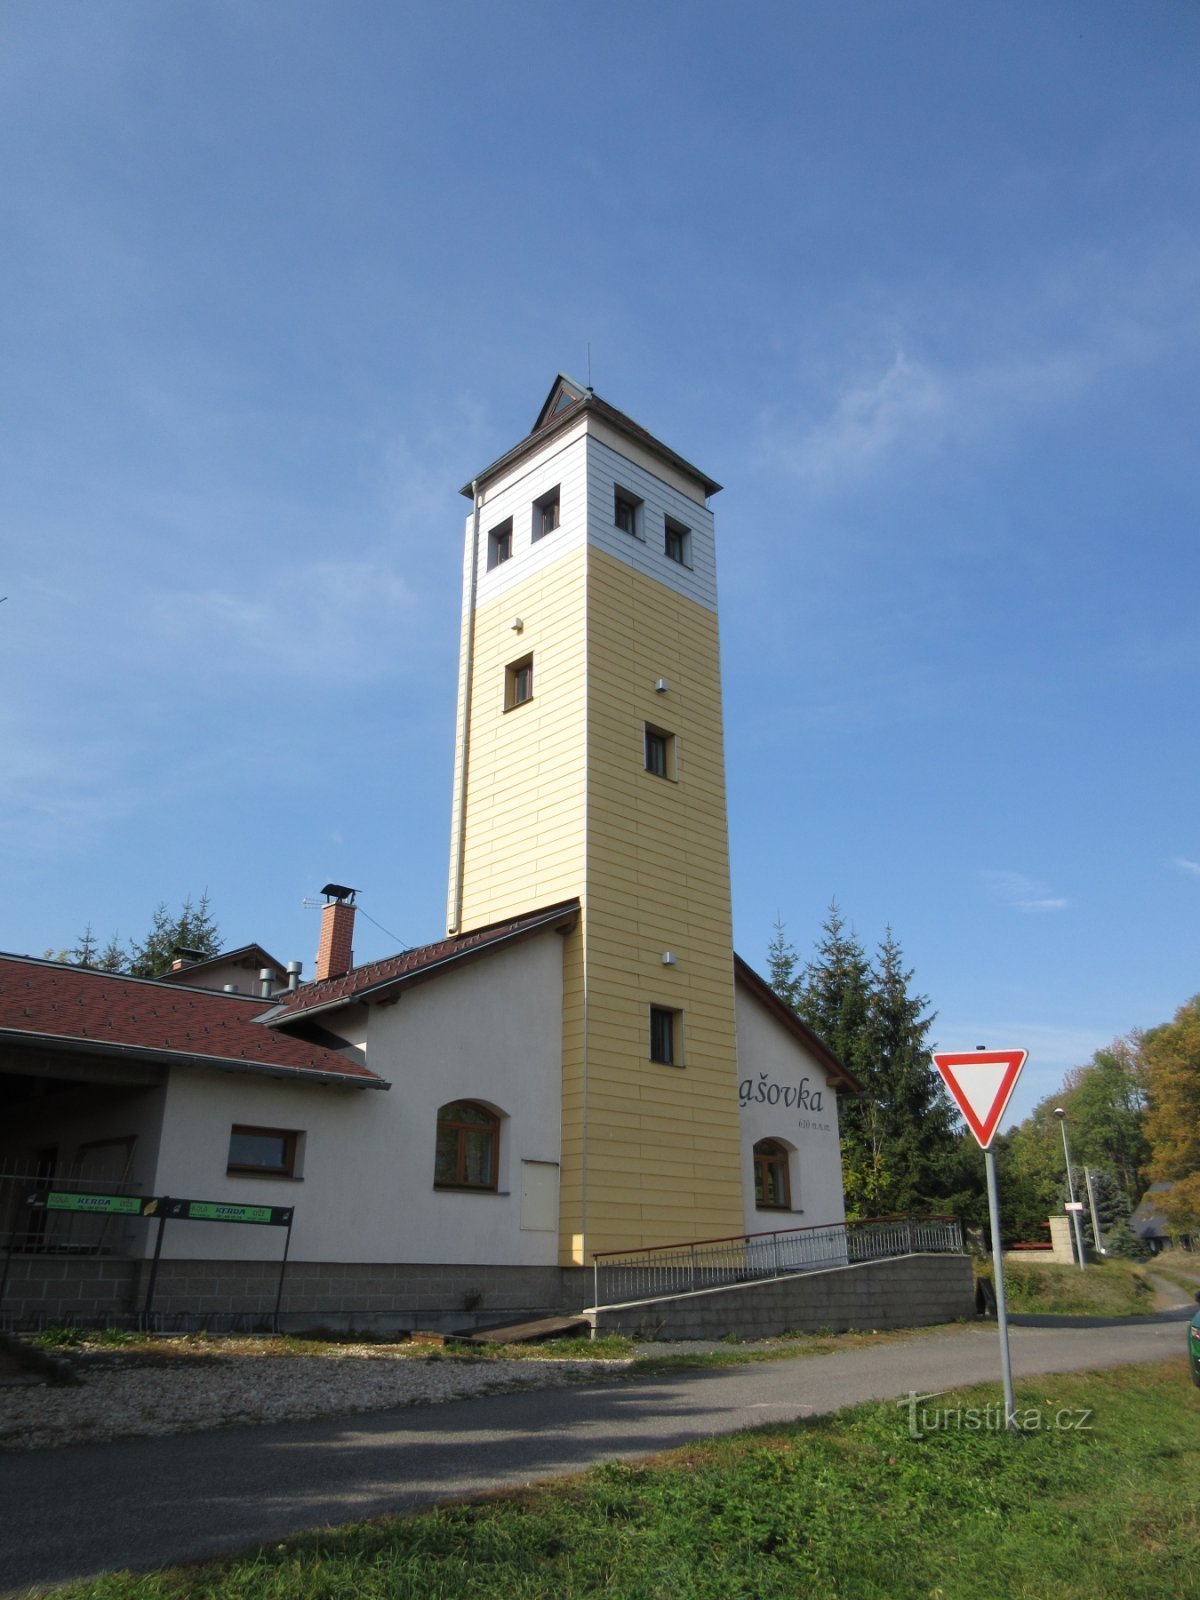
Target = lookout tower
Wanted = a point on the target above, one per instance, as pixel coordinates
(590, 764)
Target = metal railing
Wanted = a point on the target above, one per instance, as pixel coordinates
(622, 1276)
(26, 1231)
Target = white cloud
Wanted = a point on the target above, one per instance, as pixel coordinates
(1185, 865)
(1015, 890)
(904, 406)
(1083, 327)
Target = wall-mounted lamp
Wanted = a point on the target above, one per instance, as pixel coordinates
(669, 958)
(661, 686)
(517, 625)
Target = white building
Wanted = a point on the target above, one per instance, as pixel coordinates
(581, 1065)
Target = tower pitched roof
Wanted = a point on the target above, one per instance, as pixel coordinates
(568, 399)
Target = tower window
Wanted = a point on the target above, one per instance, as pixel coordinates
(772, 1188)
(627, 512)
(500, 544)
(664, 1036)
(518, 683)
(545, 513)
(678, 543)
(660, 752)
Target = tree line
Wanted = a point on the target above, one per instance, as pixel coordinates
(1133, 1110)
(192, 928)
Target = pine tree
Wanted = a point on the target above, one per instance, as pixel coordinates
(833, 994)
(902, 1133)
(783, 966)
(900, 1147)
(86, 953)
(192, 929)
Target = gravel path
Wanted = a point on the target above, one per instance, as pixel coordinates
(123, 1400)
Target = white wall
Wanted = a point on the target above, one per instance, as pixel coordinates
(587, 461)
(490, 1030)
(610, 468)
(777, 1082)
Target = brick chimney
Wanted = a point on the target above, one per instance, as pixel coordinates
(335, 955)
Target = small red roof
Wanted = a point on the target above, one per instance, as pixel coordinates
(379, 980)
(50, 1004)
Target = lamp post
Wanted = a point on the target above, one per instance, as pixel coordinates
(1074, 1207)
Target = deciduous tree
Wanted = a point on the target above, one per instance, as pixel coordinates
(1170, 1057)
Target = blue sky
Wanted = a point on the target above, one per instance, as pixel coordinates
(916, 282)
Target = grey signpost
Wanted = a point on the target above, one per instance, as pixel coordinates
(982, 1081)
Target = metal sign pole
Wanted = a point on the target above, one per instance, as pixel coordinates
(1010, 1405)
(1096, 1240)
(287, 1244)
(162, 1220)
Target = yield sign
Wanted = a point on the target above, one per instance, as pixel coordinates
(981, 1082)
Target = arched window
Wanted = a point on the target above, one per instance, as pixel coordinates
(772, 1189)
(468, 1147)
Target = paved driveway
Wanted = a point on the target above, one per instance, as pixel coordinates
(143, 1503)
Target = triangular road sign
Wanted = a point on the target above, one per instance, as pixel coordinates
(981, 1082)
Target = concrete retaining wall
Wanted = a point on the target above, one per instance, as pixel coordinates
(906, 1292)
(386, 1298)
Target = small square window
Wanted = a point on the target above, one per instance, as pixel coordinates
(660, 752)
(518, 683)
(678, 542)
(627, 512)
(270, 1152)
(664, 1036)
(500, 544)
(545, 514)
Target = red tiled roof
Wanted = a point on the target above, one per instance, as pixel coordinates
(379, 979)
(44, 1002)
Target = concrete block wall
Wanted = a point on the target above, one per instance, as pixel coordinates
(905, 1292)
(40, 1290)
(216, 1294)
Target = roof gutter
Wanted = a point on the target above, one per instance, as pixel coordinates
(67, 1045)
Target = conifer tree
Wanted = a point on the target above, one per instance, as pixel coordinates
(901, 1134)
(192, 929)
(900, 1148)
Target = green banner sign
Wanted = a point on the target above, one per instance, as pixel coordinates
(153, 1205)
(223, 1211)
(126, 1205)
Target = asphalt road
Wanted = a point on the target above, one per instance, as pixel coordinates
(145, 1503)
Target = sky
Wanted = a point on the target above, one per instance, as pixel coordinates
(917, 282)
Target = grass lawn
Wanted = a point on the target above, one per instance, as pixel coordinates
(1096, 1498)
(1112, 1288)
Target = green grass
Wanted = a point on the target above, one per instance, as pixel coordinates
(849, 1506)
(1112, 1288)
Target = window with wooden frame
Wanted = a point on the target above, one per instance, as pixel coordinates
(518, 683)
(545, 513)
(677, 542)
(267, 1152)
(666, 1043)
(772, 1184)
(500, 544)
(627, 512)
(660, 752)
(468, 1147)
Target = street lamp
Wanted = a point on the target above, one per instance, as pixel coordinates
(1078, 1226)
